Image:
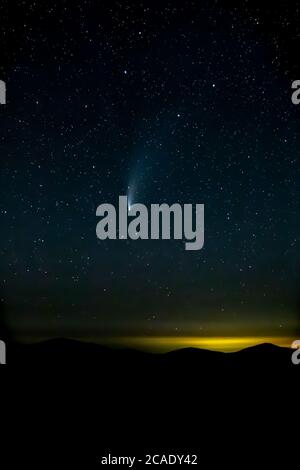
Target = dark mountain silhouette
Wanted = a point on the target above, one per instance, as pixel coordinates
(73, 353)
(77, 401)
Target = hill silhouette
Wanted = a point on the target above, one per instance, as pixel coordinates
(62, 352)
(77, 401)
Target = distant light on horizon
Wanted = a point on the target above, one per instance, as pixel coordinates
(171, 343)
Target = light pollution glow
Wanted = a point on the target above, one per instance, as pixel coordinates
(170, 343)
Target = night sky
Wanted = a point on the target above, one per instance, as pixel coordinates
(186, 102)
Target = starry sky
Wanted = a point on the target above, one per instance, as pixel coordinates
(186, 102)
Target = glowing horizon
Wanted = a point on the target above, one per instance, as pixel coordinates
(220, 343)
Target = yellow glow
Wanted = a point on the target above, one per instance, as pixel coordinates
(169, 343)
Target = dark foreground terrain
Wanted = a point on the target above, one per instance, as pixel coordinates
(66, 404)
